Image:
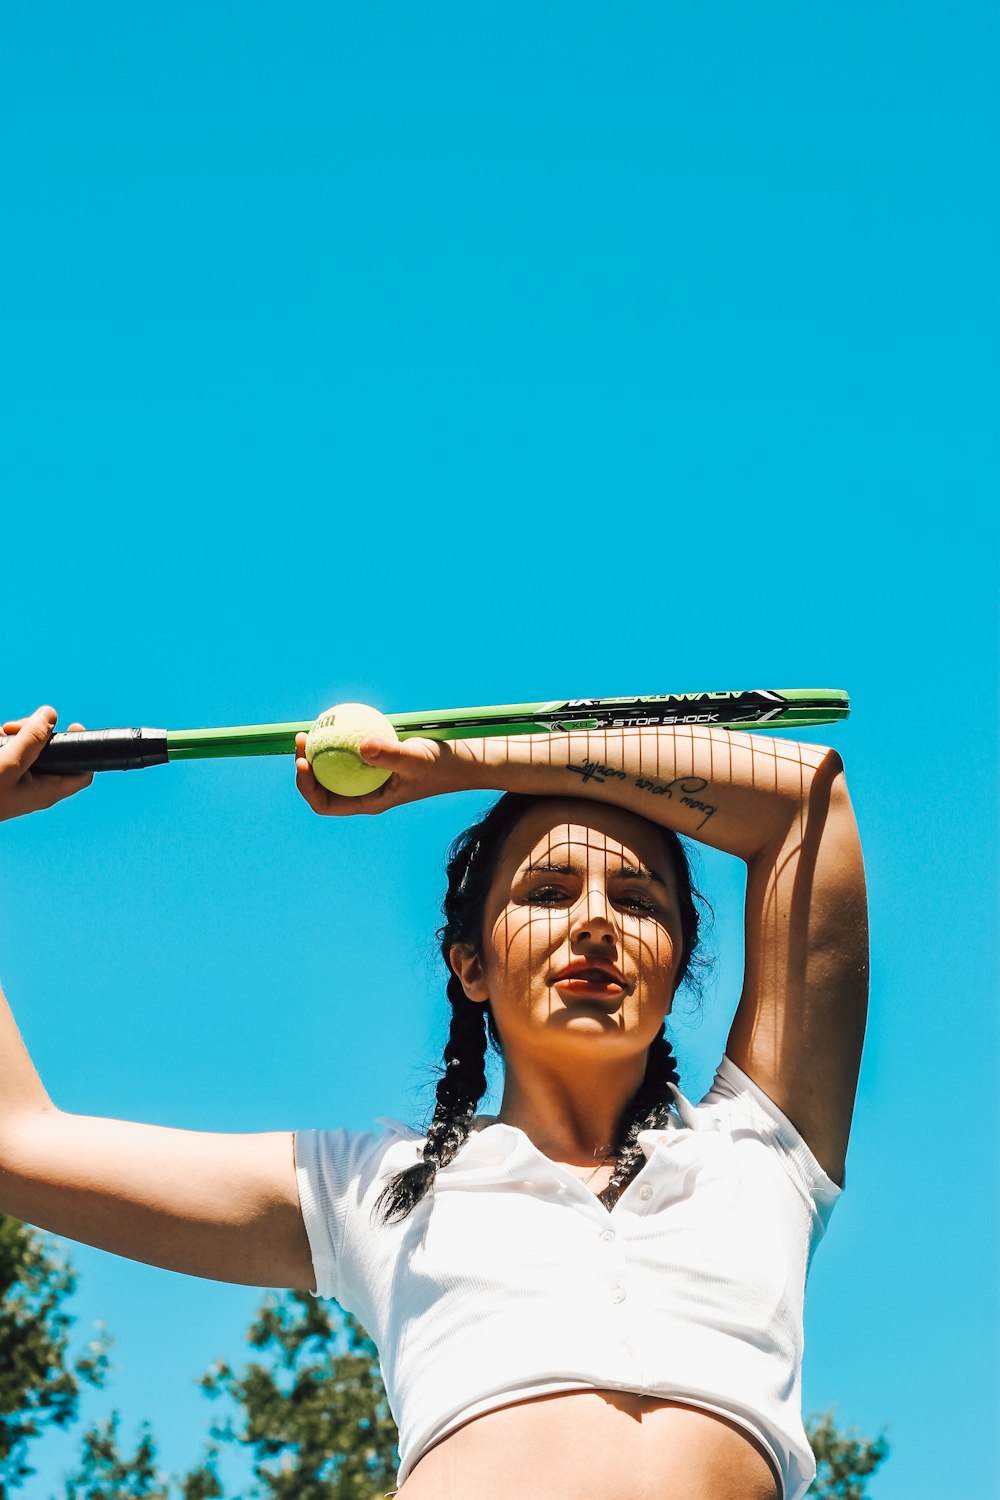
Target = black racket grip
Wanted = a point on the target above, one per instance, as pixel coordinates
(78, 752)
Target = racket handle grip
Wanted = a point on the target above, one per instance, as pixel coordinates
(78, 752)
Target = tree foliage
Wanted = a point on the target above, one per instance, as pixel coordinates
(843, 1461)
(316, 1415)
(105, 1475)
(39, 1384)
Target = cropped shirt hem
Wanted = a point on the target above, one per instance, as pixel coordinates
(496, 1401)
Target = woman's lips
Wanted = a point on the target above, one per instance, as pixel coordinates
(591, 981)
(606, 989)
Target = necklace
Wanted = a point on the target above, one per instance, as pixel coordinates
(602, 1163)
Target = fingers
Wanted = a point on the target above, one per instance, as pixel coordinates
(305, 781)
(415, 768)
(376, 751)
(11, 726)
(48, 790)
(22, 790)
(328, 803)
(308, 787)
(319, 799)
(30, 737)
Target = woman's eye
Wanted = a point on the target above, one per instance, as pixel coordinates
(638, 903)
(546, 895)
(552, 895)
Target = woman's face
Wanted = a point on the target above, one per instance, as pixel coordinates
(581, 937)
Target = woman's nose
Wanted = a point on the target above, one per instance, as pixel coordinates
(593, 922)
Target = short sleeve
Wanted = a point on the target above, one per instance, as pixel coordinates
(735, 1092)
(329, 1168)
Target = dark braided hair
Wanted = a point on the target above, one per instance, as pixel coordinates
(473, 859)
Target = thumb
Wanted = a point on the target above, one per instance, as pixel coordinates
(398, 755)
(24, 749)
(377, 751)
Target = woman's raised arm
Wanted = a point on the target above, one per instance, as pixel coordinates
(781, 807)
(737, 792)
(223, 1207)
(784, 809)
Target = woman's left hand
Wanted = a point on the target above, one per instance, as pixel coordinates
(23, 790)
(419, 768)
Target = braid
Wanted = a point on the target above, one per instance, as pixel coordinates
(458, 1093)
(649, 1111)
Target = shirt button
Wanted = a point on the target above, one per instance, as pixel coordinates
(618, 1294)
(645, 1193)
(607, 1235)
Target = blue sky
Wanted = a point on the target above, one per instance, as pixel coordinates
(430, 355)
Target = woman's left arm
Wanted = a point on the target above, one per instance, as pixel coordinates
(780, 806)
(784, 808)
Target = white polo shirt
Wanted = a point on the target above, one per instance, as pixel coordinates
(511, 1280)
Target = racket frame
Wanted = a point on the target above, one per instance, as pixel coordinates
(73, 752)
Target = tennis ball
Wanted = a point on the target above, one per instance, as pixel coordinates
(332, 748)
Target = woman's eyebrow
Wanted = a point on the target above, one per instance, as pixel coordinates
(641, 872)
(634, 872)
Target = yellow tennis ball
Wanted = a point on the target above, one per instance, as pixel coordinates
(332, 748)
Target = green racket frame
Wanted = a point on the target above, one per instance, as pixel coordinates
(74, 752)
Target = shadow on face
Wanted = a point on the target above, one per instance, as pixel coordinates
(582, 936)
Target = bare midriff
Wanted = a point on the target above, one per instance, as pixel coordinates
(595, 1445)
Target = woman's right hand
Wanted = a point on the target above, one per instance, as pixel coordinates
(418, 768)
(21, 789)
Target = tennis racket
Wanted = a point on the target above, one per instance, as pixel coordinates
(74, 752)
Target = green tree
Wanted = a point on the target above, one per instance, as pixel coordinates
(39, 1383)
(316, 1415)
(843, 1461)
(105, 1475)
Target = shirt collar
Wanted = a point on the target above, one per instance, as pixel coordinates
(496, 1150)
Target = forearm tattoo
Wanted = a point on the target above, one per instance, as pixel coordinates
(683, 789)
(594, 770)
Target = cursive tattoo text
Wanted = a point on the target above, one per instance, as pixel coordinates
(593, 770)
(684, 788)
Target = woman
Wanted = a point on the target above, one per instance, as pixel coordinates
(598, 1294)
